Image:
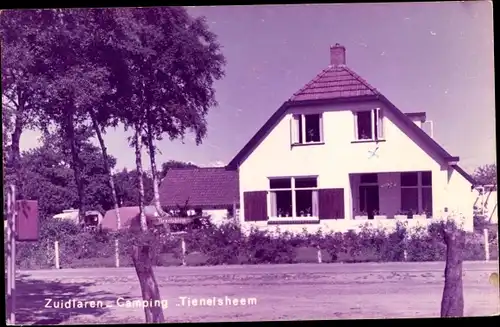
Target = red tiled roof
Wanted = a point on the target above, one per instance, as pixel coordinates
(200, 187)
(335, 82)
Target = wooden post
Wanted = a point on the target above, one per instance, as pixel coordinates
(56, 254)
(117, 245)
(405, 255)
(486, 245)
(117, 254)
(320, 256)
(11, 256)
(183, 249)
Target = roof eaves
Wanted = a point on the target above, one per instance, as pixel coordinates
(467, 176)
(417, 130)
(235, 162)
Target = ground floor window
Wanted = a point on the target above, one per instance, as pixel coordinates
(416, 192)
(293, 197)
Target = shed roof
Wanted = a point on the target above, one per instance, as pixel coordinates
(199, 188)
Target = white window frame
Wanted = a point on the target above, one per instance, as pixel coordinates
(376, 115)
(296, 123)
(293, 189)
(419, 187)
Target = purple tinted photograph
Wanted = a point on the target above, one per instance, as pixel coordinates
(249, 163)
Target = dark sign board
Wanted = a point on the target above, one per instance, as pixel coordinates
(27, 226)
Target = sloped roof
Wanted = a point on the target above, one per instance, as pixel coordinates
(335, 82)
(339, 84)
(126, 215)
(200, 188)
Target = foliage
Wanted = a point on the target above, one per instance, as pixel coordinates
(226, 244)
(174, 164)
(46, 176)
(127, 190)
(486, 175)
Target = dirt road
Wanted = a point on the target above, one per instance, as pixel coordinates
(252, 293)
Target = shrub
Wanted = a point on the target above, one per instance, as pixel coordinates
(227, 244)
(220, 244)
(261, 247)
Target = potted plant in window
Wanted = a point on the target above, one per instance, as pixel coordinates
(302, 213)
(280, 213)
(379, 216)
(308, 212)
(420, 215)
(360, 215)
(401, 215)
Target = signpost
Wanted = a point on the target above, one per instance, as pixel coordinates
(11, 256)
(22, 225)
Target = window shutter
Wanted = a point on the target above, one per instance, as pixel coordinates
(331, 203)
(255, 204)
(380, 124)
(294, 129)
(355, 119)
(321, 139)
(272, 204)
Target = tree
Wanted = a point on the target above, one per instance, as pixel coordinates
(23, 91)
(452, 303)
(46, 176)
(126, 188)
(166, 166)
(486, 174)
(168, 70)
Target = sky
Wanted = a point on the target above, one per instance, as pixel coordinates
(432, 57)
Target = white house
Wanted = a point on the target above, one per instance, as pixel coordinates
(337, 152)
(336, 155)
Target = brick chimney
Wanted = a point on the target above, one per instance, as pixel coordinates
(337, 55)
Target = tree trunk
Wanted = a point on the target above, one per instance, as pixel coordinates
(154, 173)
(452, 304)
(140, 179)
(141, 253)
(76, 164)
(15, 151)
(111, 184)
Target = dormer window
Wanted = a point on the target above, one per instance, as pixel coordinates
(368, 125)
(307, 129)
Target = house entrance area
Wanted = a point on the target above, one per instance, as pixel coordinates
(391, 195)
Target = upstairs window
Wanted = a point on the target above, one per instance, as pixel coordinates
(307, 129)
(368, 125)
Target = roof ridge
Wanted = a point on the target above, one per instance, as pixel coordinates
(315, 79)
(360, 79)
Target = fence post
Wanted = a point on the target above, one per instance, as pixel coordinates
(56, 254)
(117, 254)
(183, 249)
(486, 245)
(320, 256)
(11, 255)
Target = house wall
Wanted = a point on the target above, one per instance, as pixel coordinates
(217, 216)
(334, 160)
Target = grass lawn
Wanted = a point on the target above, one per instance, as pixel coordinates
(282, 292)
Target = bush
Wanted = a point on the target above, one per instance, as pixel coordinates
(227, 244)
